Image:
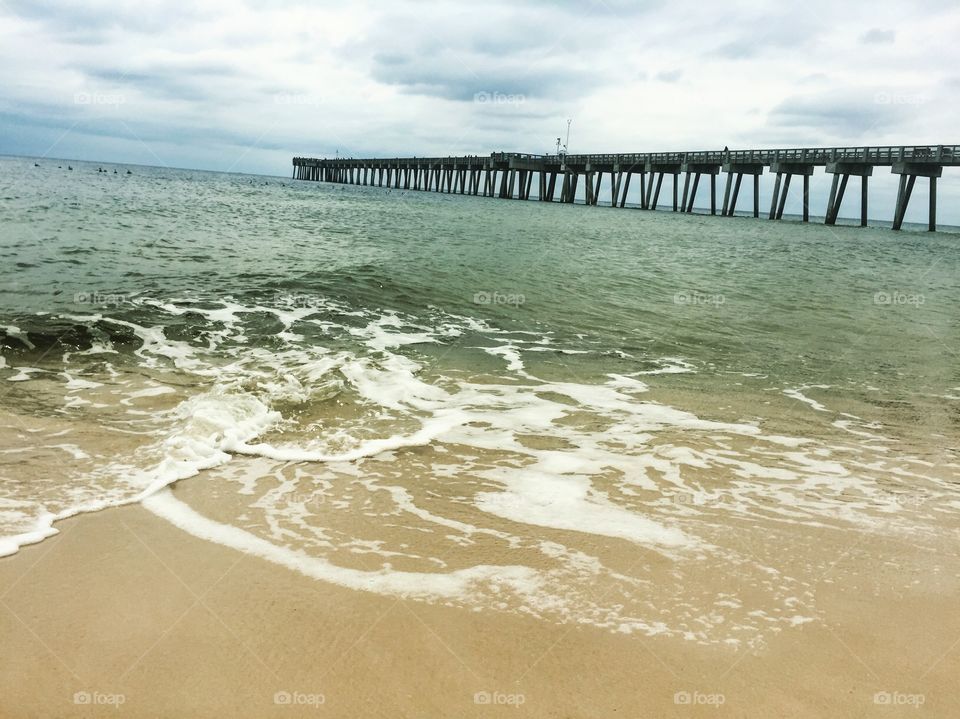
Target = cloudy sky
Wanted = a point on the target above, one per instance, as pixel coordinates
(231, 85)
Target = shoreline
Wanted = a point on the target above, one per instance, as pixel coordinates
(122, 604)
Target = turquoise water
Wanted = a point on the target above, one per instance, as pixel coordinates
(849, 307)
(585, 369)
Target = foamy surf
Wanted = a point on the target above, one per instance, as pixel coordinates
(416, 585)
(562, 474)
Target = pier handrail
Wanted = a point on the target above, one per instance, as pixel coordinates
(875, 155)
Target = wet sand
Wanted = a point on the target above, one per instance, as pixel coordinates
(123, 614)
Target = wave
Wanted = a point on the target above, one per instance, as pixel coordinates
(325, 383)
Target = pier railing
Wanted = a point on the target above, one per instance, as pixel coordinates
(878, 155)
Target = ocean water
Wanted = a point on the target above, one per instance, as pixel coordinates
(497, 405)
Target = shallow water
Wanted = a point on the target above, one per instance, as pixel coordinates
(483, 403)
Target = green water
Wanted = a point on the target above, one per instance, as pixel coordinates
(871, 313)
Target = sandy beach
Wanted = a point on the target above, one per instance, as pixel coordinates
(444, 360)
(122, 614)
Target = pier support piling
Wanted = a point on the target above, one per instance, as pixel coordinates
(842, 172)
(660, 169)
(932, 222)
(740, 169)
(903, 198)
(697, 169)
(806, 198)
(776, 194)
(783, 196)
(909, 172)
(726, 195)
(736, 194)
(863, 200)
(693, 192)
(656, 194)
(781, 186)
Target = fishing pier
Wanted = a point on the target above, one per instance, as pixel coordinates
(510, 175)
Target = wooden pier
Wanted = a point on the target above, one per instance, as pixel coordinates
(510, 175)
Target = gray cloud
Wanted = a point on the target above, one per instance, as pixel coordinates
(876, 36)
(186, 80)
(767, 33)
(107, 124)
(91, 21)
(846, 116)
(463, 80)
(669, 75)
(540, 50)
